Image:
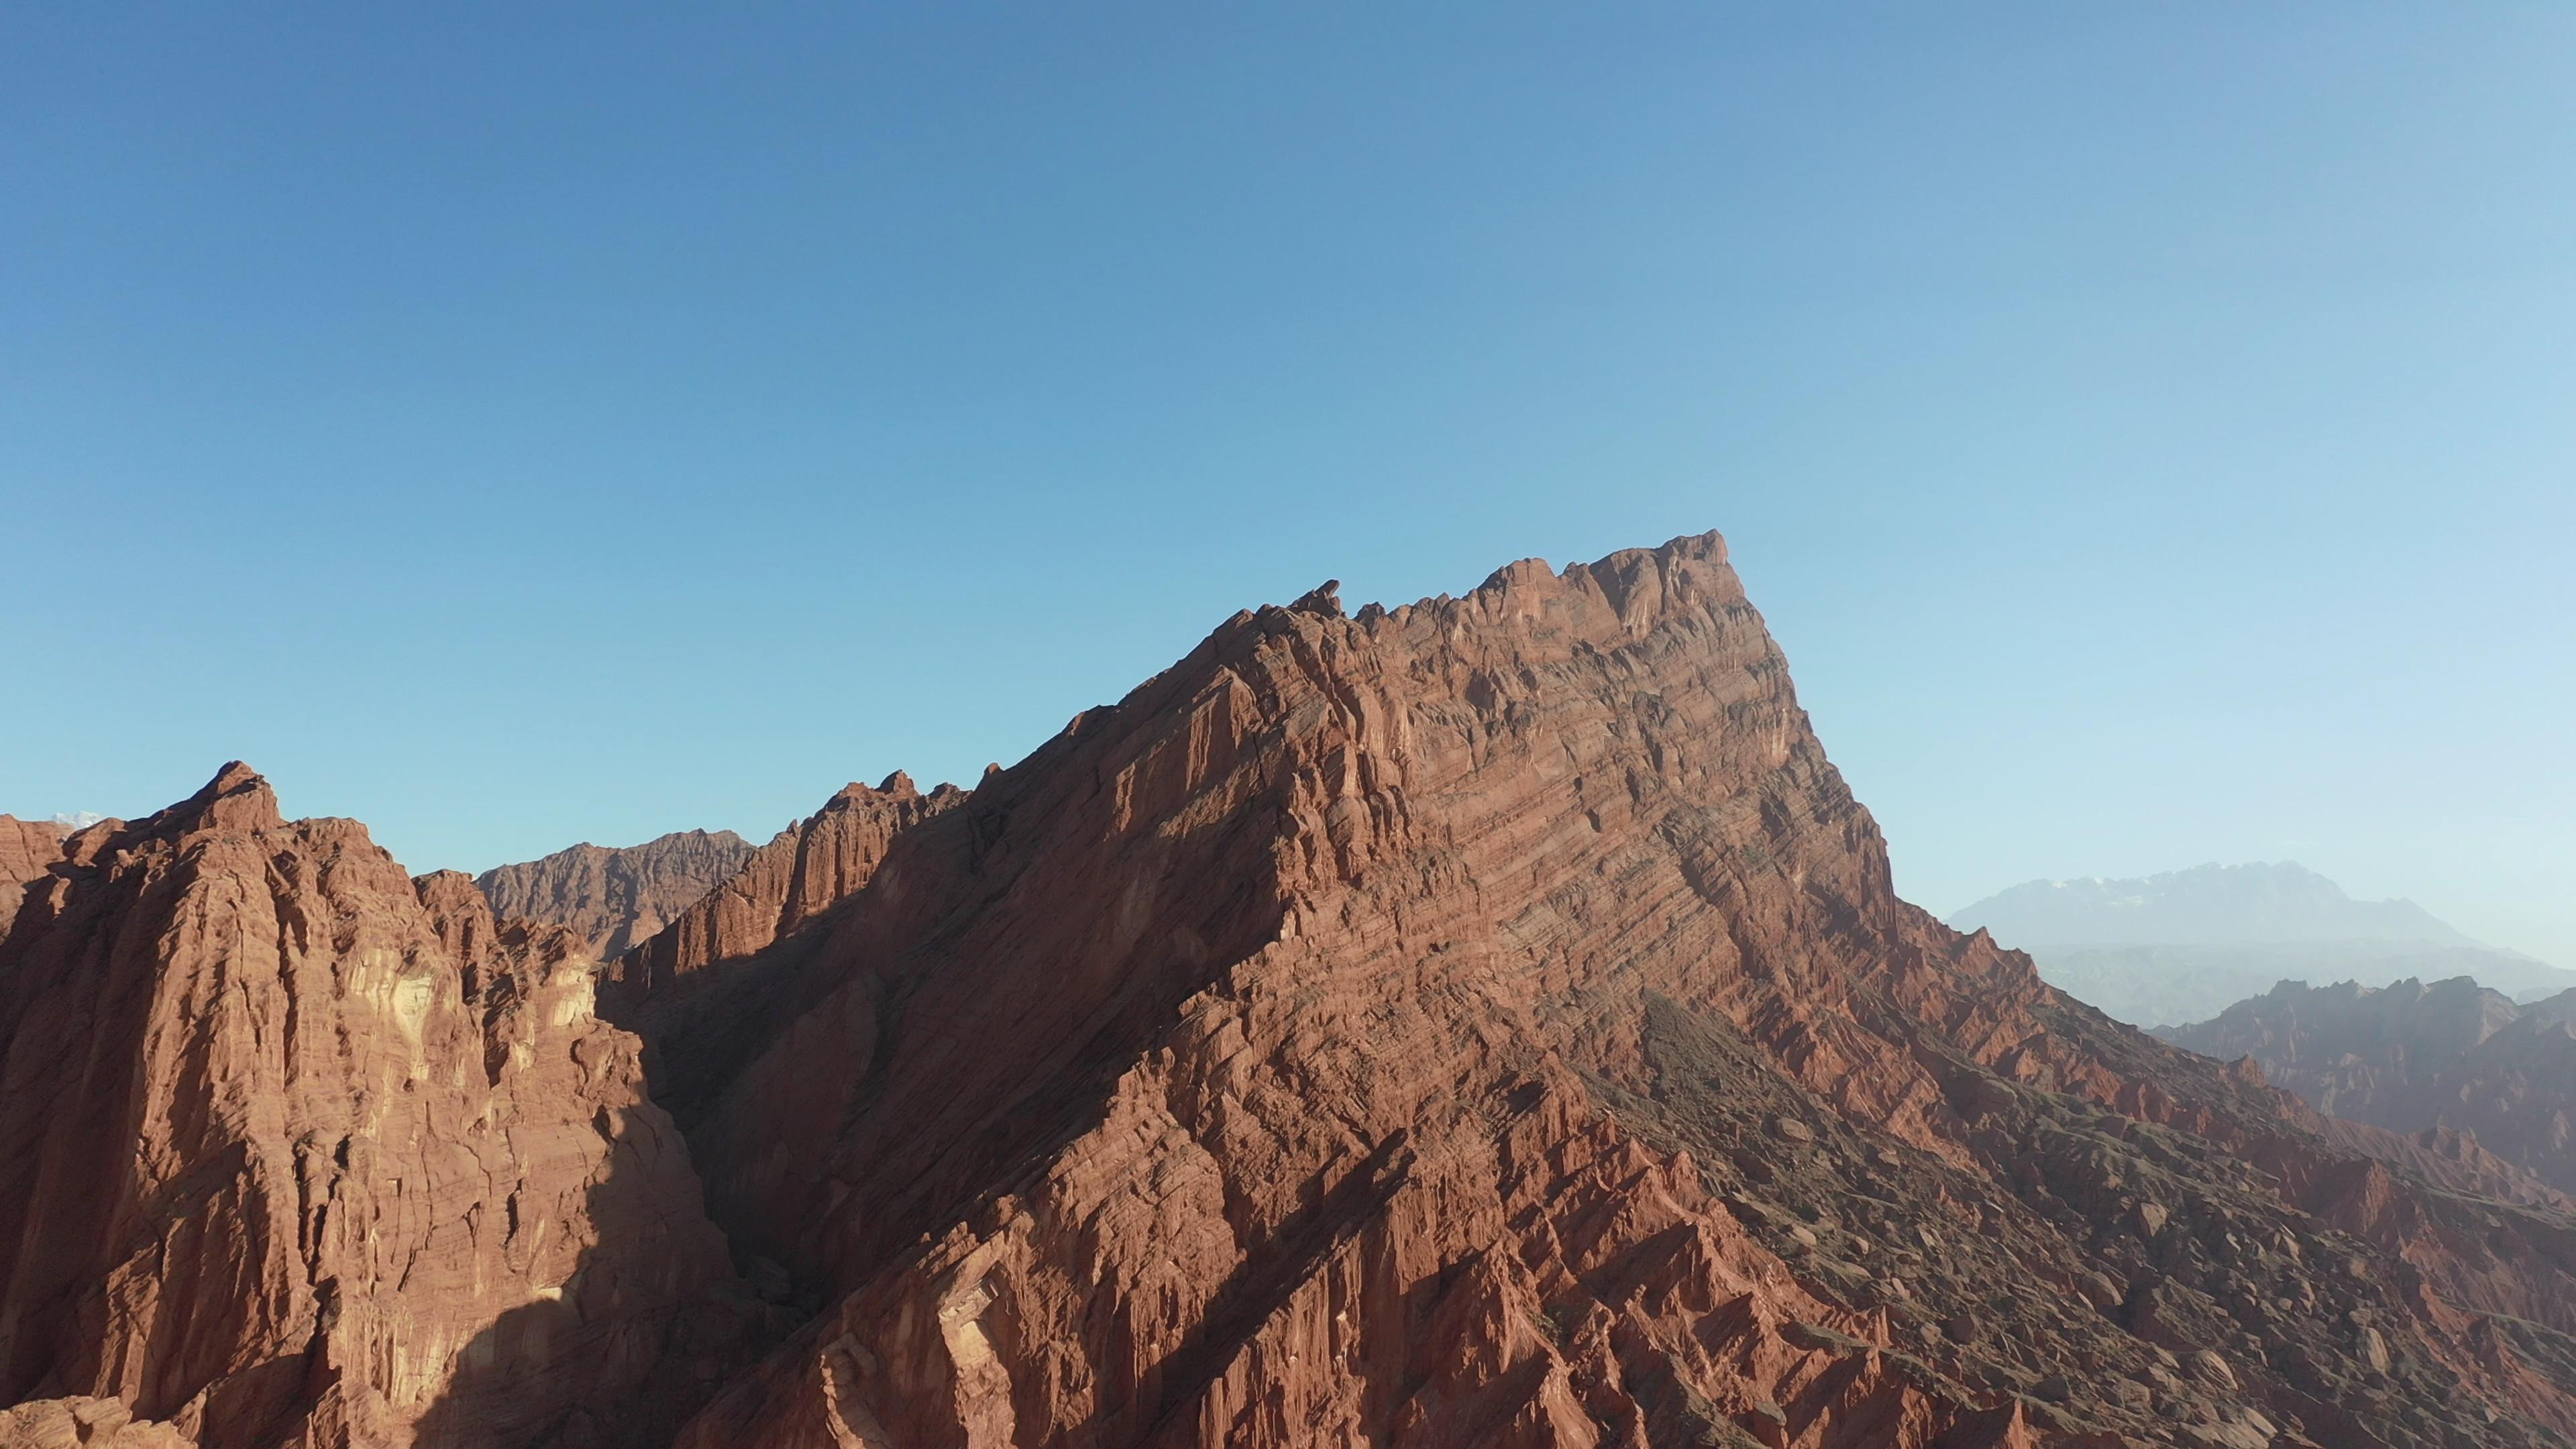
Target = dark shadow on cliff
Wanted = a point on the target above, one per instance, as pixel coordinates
(578, 1365)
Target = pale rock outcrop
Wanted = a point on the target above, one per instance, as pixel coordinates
(302, 1151)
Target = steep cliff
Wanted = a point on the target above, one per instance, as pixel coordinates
(28, 848)
(779, 887)
(1485, 1022)
(614, 898)
(301, 1151)
(1489, 1022)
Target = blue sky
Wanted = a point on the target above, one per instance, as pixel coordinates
(2151, 430)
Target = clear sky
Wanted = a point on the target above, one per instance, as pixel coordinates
(2150, 429)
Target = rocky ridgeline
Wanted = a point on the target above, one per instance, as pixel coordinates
(1485, 1022)
(2462, 1068)
(615, 898)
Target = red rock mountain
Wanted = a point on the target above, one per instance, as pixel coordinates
(297, 1150)
(1482, 1023)
(2439, 1061)
(795, 877)
(28, 848)
(613, 898)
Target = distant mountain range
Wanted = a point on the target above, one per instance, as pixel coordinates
(2449, 1057)
(2184, 945)
(614, 897)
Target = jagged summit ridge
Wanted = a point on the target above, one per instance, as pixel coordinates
(1261, 1058)
(2418, 1058)
(1483, 1021)
(2206, 905)
(615, 898)
(297, 1149)
(807, 868)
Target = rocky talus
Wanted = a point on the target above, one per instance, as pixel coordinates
(2459, 1067)
(297, 1150)
(1485, 1022)
(615, 897)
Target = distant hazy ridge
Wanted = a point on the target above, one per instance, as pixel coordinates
(2185, 945)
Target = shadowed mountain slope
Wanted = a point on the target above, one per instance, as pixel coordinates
(1485, 1022)
(1489, 1022)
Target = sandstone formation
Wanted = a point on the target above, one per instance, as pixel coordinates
(297, 1150)
(28, 848)
(613, 898)
(2456, 1065)
(1489, 1022)
(1485, 1022)
(83, 1423)
(809, 866)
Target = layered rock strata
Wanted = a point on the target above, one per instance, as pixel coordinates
(1490, 1022)
(615, 898)
(1485, 1022)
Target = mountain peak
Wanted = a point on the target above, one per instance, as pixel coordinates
(1485, 1021)
(237, 798)
(2209, 904)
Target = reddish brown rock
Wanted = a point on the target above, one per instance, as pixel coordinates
(79, 1423)
(794, 878)
(28, 848)
(300, 1151)
(1489, 1022)
(614, 898)
(2464, 1074)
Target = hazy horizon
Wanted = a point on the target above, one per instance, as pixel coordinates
(2144, 430)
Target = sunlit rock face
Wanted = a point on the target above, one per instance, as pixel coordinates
(304, 1151)
(1481, 1022)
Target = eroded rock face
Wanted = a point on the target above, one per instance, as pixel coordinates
(302, 1151)
(1489, 1022)
(810, 866)
(28, 848)
(80, 1423)
(614, 898)
(2459, 1067)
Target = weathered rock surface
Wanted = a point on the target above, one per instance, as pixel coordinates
(809, 866)
(615, 897)
(28, 848)
(2460, 1068)
(1489, 1022)
(80, 1423)
(297, 1150)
